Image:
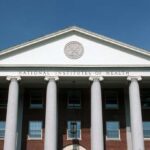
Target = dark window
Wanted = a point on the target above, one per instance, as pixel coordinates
(111, 100)
(36, 99)
(3, 99)
(74, 100)
(145, 99)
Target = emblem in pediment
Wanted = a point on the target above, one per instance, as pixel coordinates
(73, 50)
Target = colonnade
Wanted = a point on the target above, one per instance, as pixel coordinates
(97, 142)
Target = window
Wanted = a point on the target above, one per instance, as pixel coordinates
(36, 99)
(146, 129)
(2, 129)
(3, 99)
(74, 99)
(145, 96)
(111, 100)
(112, 130)
(74, 130)
(35, 130)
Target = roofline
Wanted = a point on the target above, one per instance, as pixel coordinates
(72, 66)
(76, 29)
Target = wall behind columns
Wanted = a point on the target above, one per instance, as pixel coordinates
(128, 124)
(20, 119)
(115, 115)
(3, 113)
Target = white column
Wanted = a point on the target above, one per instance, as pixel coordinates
(97, 142)
(51, 115)
(135, 114)
(11, 117)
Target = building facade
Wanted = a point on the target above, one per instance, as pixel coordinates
(74, 90)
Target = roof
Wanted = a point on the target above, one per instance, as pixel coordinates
(76, 30)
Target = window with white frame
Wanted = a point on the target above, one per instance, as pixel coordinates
(73, 130)
(35, 130)
(146, 129)
(36, 99)
(112, 130)
(111, 100)
(2, 129)
(145, 99)
(3, 99)
(74, 99)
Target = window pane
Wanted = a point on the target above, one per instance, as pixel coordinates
(146, 102)
(35, 128)
(111, 100)
(112, 129)
(36, 99)
(74, 129)
(3, 99)
(146, 129)
(74, 99)
(2, 129)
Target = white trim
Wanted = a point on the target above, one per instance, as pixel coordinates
(92, 78)
(13, 77)
(139, 78)
(75, 65)
(47, 78)
(146, 139)
(70, 147)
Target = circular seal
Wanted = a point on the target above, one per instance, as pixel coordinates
(73, 50)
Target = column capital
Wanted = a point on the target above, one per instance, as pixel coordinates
(138, 78)
(9, 78)
(55, 78)
(93, 78)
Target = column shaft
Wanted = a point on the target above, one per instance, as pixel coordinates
(11, 117)
(51, 116)
(97, 142)
(136, 116)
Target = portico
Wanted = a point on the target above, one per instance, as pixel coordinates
(74, 88)
(96, 101)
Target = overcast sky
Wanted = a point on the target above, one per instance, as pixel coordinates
(124, 20)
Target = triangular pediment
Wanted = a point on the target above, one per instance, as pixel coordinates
(74, 47)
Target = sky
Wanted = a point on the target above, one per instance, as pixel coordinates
(127, 21)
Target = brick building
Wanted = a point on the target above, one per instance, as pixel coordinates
(74, 90)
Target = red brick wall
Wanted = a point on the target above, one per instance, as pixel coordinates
(116, 115)
(82, 114)
(28, 115)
